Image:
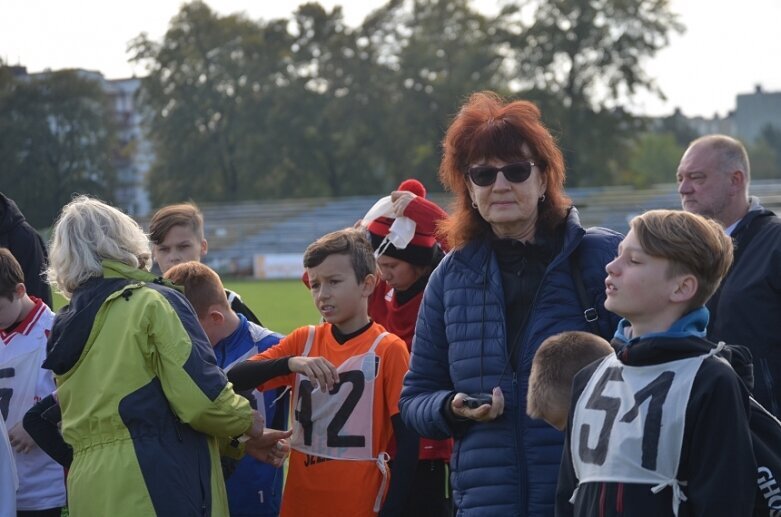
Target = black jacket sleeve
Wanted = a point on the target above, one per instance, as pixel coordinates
(719, 460)
(249, 374)
(403, 470)
(40, 422)
(27, 247)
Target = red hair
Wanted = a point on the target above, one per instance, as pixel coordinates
(487, 127)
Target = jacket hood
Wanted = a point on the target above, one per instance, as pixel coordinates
(741, 360)
(10, 215)
(74, 322)
(693, 323)
(685, 338)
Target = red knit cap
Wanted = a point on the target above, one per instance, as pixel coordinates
(420, 250)
(414, 186)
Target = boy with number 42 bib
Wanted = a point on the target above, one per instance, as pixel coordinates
(660, 427)
(346, 375)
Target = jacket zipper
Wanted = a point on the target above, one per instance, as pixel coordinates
(523, 502)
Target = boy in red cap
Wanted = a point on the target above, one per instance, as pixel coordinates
(394, 304)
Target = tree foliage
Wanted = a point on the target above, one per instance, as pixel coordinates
(581, 59)
(309, 106)
(653, 158)
(57, 138)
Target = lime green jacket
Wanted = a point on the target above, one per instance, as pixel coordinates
(144, 404)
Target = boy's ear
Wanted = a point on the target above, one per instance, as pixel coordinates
(215, 316)
(368, 284)
(20, 290)
(686, 288)
(204, 247)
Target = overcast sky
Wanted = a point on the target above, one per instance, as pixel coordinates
(729, 47)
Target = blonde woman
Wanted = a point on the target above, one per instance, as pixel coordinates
(143, 403)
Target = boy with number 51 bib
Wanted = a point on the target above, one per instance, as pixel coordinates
(660, 427)
(346, 375)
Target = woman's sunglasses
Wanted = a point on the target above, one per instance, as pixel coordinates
(485, 175)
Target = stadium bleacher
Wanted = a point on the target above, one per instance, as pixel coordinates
(238, 231)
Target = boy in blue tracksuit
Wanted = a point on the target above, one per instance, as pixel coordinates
(254, 488)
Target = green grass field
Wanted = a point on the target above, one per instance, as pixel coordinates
(282, 305)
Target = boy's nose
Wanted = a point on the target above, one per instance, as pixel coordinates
(610, 267)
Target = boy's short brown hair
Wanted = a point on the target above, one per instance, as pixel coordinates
(555, 364)
(202, 286)
(693, 245)
(183, 214)
(11, 274)
(349, 241)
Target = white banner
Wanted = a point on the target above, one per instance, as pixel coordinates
(280, 265)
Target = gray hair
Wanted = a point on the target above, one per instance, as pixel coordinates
(86, 232)
(730, 153)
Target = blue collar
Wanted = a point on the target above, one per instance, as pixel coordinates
(230, 342)
(694, 323)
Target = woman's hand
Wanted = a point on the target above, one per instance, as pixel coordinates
(273, 447)
(484, 413)
(320, 371)
(401, 199)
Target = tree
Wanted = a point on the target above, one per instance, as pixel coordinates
(207, 83)
(329, 114)
(679, 127)
(580, 59)
(240, 109)
(437, 52)
(653, 159)
(57, 138)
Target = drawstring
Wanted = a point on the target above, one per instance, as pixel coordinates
(574, 494)
(382, 464)
(284, 392)
(678, 495)
(719, 347)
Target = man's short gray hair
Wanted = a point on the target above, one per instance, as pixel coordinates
(730, 152)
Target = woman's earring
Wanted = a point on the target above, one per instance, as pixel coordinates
(474, 205)
(541, 199)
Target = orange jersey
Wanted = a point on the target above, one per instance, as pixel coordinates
(333, 487)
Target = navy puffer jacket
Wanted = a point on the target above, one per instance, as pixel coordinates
(509, 466)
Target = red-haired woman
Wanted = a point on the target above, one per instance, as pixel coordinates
(507, 285)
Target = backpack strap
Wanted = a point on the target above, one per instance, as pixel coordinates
(590, 313)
